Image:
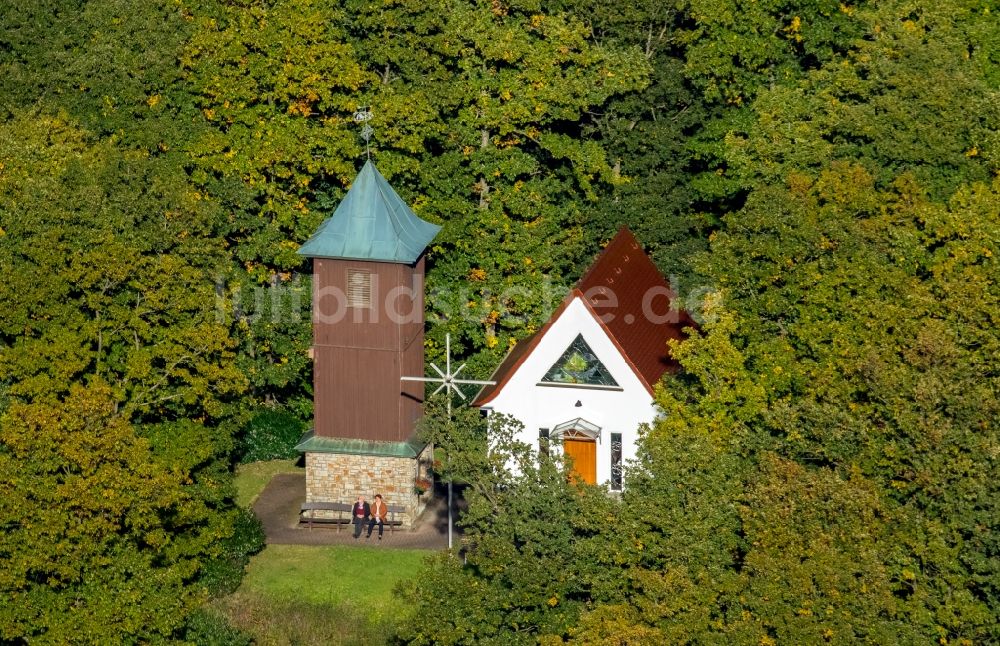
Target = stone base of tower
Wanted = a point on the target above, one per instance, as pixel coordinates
(333, 476)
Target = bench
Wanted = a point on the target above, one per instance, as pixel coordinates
(391, 520)
(307, 514)
(343, 516)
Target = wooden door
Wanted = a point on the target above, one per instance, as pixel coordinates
(584, 456)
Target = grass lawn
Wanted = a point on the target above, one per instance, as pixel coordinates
(333, 594)
(336, 574)
(303, 594)
(252, 478)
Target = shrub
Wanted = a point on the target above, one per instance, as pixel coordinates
(271, 435)
(224, 574)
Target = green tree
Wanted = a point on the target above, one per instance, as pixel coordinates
(646, 135)
(677, 544)
(854, 343)
(110, 273)
(476, 108)
(271, 325)
(100, 539)
(115, 69)
(111, 65)
(915, 98)
(117, 435)
(709, 60)
(822, 559)
(511, 134)
(537, 550)
(821, 471)
(279, 84)
(731, 51)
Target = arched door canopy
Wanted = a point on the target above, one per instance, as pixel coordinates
(577, 429)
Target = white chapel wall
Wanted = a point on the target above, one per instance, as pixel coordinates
(548, 406)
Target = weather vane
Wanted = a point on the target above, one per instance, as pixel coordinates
(364, 115)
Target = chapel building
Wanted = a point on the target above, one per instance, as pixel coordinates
(586, 377)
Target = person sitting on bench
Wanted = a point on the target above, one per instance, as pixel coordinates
(359, 514)
(379, 512)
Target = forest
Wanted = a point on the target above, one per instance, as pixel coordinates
(820, 179)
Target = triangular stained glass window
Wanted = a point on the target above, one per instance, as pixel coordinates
(579, 365)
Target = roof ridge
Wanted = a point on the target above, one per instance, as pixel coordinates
(624, 233)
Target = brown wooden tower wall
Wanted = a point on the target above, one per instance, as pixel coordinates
(368, 331)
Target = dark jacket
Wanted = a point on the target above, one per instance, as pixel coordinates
(354, 512)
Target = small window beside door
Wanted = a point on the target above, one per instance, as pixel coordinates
(543, 441)
(616, 461)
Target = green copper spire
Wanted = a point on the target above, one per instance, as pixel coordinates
(371, 223)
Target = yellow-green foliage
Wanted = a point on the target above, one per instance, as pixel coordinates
(116, 377)
(824, 469)
(475, 110)
(108, 272)
(100, 540)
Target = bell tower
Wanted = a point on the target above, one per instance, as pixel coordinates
(368, 332)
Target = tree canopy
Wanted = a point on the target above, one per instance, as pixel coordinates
(821, 469)
(825, 172)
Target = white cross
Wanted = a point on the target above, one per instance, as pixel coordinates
(450, 384)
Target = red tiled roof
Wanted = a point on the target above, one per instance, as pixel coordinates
(628, 296)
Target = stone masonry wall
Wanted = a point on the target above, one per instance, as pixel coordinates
(335, 477)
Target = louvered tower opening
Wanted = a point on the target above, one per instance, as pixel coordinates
(359, 288)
